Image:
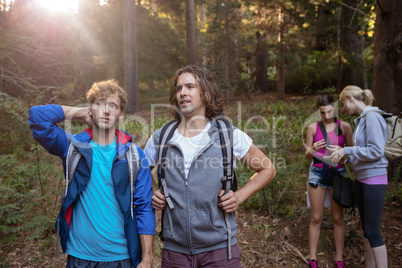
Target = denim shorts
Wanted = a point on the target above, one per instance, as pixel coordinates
(315, 177)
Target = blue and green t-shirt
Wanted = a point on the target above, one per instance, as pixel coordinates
(97, 228)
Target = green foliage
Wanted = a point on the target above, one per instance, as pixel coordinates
(23, 200)
(24, 177)
(279, 135)
(40, 226)
(317, 72)
(15, 128)
(159, 53)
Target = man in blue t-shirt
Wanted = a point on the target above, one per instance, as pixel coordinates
(97, 223)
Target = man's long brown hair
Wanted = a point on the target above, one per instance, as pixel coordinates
(210, 94)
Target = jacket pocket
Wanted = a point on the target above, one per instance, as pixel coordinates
(207, 231)
(178, 231)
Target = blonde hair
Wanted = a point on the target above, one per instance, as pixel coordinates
(104, 89)
(356, 92)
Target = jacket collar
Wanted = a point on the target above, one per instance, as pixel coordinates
(122, 137)
(81, 141)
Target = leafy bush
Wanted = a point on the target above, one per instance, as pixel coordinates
(316, 73)
(279, 134)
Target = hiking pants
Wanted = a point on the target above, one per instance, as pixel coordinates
(370, 202)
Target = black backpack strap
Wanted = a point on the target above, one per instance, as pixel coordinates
(226, 139)
(338, 130)
(324, 132)
(165, 135)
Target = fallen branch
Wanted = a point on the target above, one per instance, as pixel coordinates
(295, 250)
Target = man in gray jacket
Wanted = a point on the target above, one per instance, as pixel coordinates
(195, 230)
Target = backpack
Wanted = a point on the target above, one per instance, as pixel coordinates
(73, 158)
(393, 146)
(343, 193)
(229, 181)
(226, 137)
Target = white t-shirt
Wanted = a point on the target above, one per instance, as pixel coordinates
(190, 146)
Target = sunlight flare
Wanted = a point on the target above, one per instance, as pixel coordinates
(59, 5)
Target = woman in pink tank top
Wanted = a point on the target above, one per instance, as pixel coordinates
(321, 178)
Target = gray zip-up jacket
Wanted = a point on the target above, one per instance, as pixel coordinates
(367, 154)
(198, 223)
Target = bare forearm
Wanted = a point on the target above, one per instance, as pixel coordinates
(255, 184)
(309, 154)
(147, 242)
(75, 113)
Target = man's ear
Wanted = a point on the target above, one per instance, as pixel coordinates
(121, 116)
(90, 110)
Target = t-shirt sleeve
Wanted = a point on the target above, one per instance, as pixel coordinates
(241, 143)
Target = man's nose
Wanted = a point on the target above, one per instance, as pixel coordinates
(106, 110)
(184, 91)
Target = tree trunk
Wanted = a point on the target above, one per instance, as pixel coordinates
(155, 6)
(364, 65)
(320, 37)
(202, 27)
(261, 55)
(339, 46)
(226, 56)
(387, 73)
(131, 57)
(191, 43)
(352, 74)
(281, 63)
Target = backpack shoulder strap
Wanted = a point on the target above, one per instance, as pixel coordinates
(133, 162)
(166, 134)
(226, 139)
(324, 132)
(72, 159)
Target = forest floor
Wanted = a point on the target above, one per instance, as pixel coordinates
(265, 241)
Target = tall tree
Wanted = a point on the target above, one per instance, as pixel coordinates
(202, 27)
(191, 41)
(387, 69)
(261, 54)
(352, 74)
(322, 26)
(281, 60)
(131, 57)
(339, 84)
